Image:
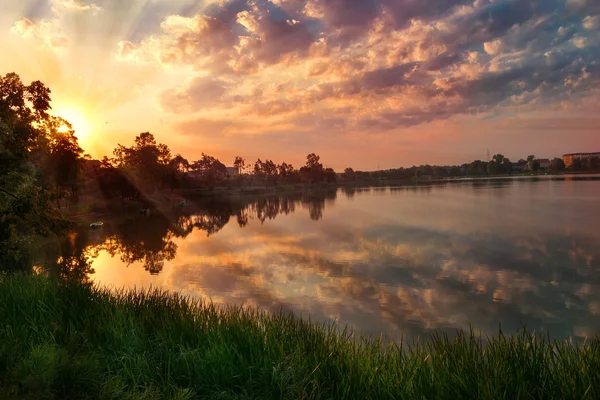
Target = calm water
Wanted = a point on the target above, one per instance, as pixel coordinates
(397, 261)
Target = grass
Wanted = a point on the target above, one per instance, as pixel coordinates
(68, 341)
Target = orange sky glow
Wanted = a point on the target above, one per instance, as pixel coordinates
(362, 83)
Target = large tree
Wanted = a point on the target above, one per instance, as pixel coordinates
(313, 171)
(209, 170)
(25, 206)
(146, 162)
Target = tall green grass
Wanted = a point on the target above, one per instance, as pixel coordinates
(67, 341)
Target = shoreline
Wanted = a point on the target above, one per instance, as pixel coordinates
(89, 210)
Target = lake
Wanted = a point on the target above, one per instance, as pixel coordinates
(397, 261)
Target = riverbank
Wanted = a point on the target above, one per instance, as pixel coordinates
(61, 340)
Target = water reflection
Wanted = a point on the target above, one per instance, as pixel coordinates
(402, 261)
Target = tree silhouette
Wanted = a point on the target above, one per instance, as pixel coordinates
(25, 203)
(239, 164)
(557, 164)
(209, 170)
(146, 162)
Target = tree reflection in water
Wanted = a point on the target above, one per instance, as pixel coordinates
(149, 240)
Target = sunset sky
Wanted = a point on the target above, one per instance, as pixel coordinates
(360, 82)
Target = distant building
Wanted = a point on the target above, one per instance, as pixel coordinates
(568, 158)
(544, 163)
(519, 166)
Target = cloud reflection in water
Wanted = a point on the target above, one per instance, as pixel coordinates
(401, 261)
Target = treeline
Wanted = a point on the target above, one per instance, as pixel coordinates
(585, 164)
(148, 166)
(498, 165)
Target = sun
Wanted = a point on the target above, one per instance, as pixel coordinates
(76, 117)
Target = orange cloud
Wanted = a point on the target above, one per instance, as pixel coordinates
(46, 32)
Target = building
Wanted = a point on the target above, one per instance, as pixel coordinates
(544, 163)
(568, 158)
(519, 166)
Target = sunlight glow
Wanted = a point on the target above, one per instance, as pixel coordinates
(78, 121)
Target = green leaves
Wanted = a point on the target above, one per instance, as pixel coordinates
(33, 158)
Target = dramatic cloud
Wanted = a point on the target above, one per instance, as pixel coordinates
(201, 93)
(345, 67)
(400, 63)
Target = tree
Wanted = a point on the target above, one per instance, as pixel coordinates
(239, 165)
(180, 164)
(313, 170)
(146, 162)
(210, 170)
(499, 165)
(477, 168)
(349, 174)
(531, 163)
(258, 168)
(25, 206)
(576, 164)
(329, 175)
(269, 169)
(506, 166)
(115, 182)
(594, 163)
(175, 174)
(557, 164)
(493, 168)
(286, 172)
(65, 158)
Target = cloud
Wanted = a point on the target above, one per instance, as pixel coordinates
(592, 23)
(200, 93)
(230, 37)
(373, 65)
(403, 11)
(74, 5)
(583, 6)
(46, 32)
(42, 21)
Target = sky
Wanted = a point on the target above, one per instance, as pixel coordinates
(363, 83)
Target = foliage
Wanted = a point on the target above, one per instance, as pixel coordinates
(114, 181)
(557, 164)
(209, 170)
(239, 164)
(585, 164)
(146, 163)
(477, 168)
(73, 341)
(36, 161)
(499, 165)
(313, 171)
(349, 174)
